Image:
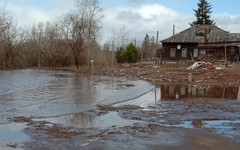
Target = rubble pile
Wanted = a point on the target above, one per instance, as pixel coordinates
(202, 65)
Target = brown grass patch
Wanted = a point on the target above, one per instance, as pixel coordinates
(62, 132)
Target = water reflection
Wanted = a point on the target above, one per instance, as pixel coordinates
(82, 120)
(12, 133)
(198, 123)
(173, 92)
(46, 93)
(217, 124)
(151, 97)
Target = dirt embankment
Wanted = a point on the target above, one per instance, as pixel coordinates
(172, 73)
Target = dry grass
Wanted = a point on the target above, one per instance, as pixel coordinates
(173, 65)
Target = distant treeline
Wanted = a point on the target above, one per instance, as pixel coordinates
(71, 40)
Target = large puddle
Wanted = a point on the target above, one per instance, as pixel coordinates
(144, 100)
(225, 127)
(12, 136)
(47, 94)
(89, 121)
(81, 120)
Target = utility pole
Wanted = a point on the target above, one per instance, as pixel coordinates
(39, 53)
(156, 61)
(88, 55)
(113, 46)
(174, 29)
(225, 47)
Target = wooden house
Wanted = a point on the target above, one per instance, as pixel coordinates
(202, 42)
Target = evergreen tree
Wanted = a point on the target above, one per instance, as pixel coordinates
(203, 14)
(146, 41)
(131, 54)
(120, 56)
(145, 46)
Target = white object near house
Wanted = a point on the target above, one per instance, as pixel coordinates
(238, 98)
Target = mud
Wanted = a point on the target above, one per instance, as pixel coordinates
(175, 73)
(163, 125)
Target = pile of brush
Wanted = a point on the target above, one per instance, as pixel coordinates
(202, 65)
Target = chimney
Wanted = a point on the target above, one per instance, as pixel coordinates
(207, 34)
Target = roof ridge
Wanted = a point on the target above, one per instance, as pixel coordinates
(190, 35)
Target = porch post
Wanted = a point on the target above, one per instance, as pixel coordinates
(225, 54)
(238, 98)
(238, 54)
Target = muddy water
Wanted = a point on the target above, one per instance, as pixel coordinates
(82, 120)
(12, 135)
(63, 97)
(226, 127)
(44, 93)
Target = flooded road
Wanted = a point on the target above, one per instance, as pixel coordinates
(12, 135)
(66, 99)
(45, 93)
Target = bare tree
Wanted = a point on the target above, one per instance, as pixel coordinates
(10, 40)
(44, 47)
(80, 27)
(53, 50)
(72, 28)
(110, 48)
(36, 37)
(90, 12)
(6, 23)
(123, 36)
(13, 47)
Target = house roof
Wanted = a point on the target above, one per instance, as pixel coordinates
(235, 34)
(198, 34)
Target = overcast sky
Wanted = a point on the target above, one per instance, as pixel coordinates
(138, 16)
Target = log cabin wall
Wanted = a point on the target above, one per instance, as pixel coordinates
(179, 52)
(201, 42)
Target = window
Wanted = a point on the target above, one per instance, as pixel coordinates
(184, 52)
(182, 90)
(194, 91)
(195, 53)
(173, 52)
(211, 52)
(232, 50)
(171, 91)
(203, 52)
